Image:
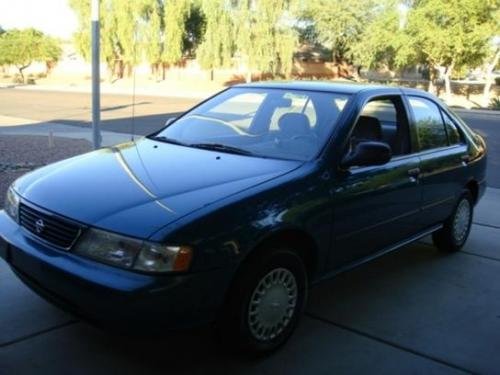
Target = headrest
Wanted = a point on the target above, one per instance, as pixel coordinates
(368, 128)
(292, 124)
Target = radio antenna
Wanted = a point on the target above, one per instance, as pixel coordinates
(133, 83)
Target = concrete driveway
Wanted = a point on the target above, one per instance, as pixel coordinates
(412, 311)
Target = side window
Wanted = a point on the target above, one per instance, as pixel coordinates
(384, 120)
(430, 128)
(454, 136)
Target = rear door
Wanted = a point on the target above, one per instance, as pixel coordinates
(443, 155)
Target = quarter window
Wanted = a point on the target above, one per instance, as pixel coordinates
(430, 128)
(454, 136)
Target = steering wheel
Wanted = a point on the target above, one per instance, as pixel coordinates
(308, 137)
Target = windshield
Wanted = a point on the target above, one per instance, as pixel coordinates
(274, 123)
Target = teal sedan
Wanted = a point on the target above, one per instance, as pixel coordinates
(233, 210)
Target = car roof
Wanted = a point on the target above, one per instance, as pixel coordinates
(341, 87)
(338, 87)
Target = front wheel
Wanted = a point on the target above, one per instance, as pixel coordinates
(457, 227)
(266, 302)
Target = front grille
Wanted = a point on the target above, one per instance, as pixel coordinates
(51, 228)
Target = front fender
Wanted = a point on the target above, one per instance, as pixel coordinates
(225, 235)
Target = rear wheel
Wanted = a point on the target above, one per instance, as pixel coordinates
(456, 228)
(266, 302)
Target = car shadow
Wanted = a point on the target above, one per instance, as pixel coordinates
(139, 125)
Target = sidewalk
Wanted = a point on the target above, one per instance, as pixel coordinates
(19, 126)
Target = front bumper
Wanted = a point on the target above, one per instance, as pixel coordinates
(107, 294)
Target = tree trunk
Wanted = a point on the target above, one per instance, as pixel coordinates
(111, 71)
(447, 82)
(21, 68)
(21, 73)
(432, 79)
(433, 76)
(249, 76)
(121, 69)
(489, 78)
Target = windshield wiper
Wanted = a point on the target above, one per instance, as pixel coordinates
(222, 148)
(162, 138)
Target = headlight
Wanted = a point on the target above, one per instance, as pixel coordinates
(12, 204)
(126, 252)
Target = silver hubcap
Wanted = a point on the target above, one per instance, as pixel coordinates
(272, 304)
(461, 221)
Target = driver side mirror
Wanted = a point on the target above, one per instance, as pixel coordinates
(170, 120)
(367, 153)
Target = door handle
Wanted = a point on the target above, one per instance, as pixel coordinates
(414, 172)
(465, 158)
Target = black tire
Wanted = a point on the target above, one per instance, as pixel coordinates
(235, 328)
(449, 240)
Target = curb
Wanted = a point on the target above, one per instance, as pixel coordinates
(486, 112)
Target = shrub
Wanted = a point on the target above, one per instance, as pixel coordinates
(495, 103)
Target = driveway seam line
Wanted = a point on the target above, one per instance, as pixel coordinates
(38, 333)
(387, 342)
(480, 256)
(486, 225)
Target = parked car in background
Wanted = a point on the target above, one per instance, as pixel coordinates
(233, 210)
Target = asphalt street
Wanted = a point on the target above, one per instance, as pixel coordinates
(151, 112)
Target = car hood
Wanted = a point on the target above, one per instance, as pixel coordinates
(139, 187)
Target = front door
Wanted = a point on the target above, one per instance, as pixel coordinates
(374, 208)
(377, 206)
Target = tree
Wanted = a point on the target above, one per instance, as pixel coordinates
(378, 41)
(265, 38)
(120, 23)
(493, 57)
(339, 24)
(446, 33)
(490, 67)
(81, 37)
(176, 14)
(135, 29)
(22, 47)
(152, 34)
(194, 28)
(217, 46)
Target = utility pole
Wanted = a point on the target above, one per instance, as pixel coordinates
(96, 79)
